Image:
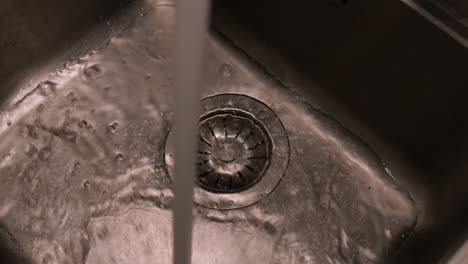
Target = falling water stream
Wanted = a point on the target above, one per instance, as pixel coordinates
(84, 178)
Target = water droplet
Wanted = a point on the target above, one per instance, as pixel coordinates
(167, 180)
(119, 157)
(44, 153)
(158, 167)
(92, 72)
(108, 23)
(83, 124)
(47, 87)
(226, 70)
(86, 184)
(154, 54)
(112, 127)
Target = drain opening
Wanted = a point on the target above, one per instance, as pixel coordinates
(234, 151)
(243, 152)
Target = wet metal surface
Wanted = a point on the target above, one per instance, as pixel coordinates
(441, 15)
(82, 161)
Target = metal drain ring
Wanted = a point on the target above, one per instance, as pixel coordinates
(234, 151)
(266, 144)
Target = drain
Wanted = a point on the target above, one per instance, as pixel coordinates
(243, 152)
(234, 151)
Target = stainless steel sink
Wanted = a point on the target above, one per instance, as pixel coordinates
(329, 134)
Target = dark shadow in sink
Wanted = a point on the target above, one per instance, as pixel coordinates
(9, 251)
(33, 33)
(395, 72)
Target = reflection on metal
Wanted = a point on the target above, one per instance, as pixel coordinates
(461, 256)
(455, 25)
(243, 152)
(191, 27)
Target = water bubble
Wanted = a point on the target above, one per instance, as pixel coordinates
(47, 87)
(92, 72)
(168, 180)
(32, 150)
(226, 70)
(86, 184)
(158, 167)
(119, 156)
(83, 124)
(44, 153)
(112, 127)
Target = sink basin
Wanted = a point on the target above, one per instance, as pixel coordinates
(316, 145)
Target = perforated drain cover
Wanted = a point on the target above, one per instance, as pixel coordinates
(243, 152)
(234, 151)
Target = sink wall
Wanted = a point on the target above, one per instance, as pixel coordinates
(388, 74)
